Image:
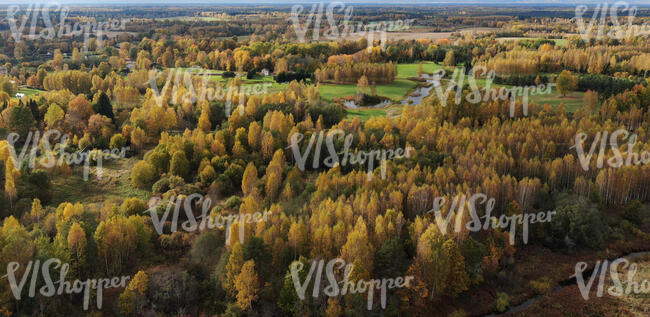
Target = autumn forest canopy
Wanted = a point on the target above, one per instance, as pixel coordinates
(208, 157)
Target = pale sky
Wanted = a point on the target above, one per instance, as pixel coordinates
(267, 2)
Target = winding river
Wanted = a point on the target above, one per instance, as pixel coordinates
(415, 98)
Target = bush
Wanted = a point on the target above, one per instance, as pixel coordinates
(132, 206)
(228, 75)
(541, 286)
(208, 175)
(633, 213)
(159, 159)
(502, 302)
(175, 181)
(117, 141)
(251, 74)
(179, 165)
(233, 202)
(161, 186)
(142, 174)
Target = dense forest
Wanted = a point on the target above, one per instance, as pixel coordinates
(152, 154)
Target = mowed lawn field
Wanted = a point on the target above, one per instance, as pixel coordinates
(28, 92)
(411, 69)
(394, 91)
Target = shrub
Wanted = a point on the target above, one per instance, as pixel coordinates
(179, 165)
(633, 212)
(175, 181)
(159, 159)
(132, 206)
(233, 202)
(142, 174)
(502, 302)
(208, 175)
(117, 141)
(541, 286)
(161, 186)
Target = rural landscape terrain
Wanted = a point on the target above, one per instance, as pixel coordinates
(325, 158)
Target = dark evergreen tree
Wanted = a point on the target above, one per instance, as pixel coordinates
(103, 106)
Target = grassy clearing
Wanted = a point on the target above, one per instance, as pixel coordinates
(115, 183)
(275, 87)
(364, 114)
(28, 92)
(572, 102)
(394, 91)
(411, 69)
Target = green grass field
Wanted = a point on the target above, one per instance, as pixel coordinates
(411, 69)
(28, 92)
(219, 78)
(364, 114)
(394, 91)
(572, 101)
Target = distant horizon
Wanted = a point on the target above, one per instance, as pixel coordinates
(559, 3)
